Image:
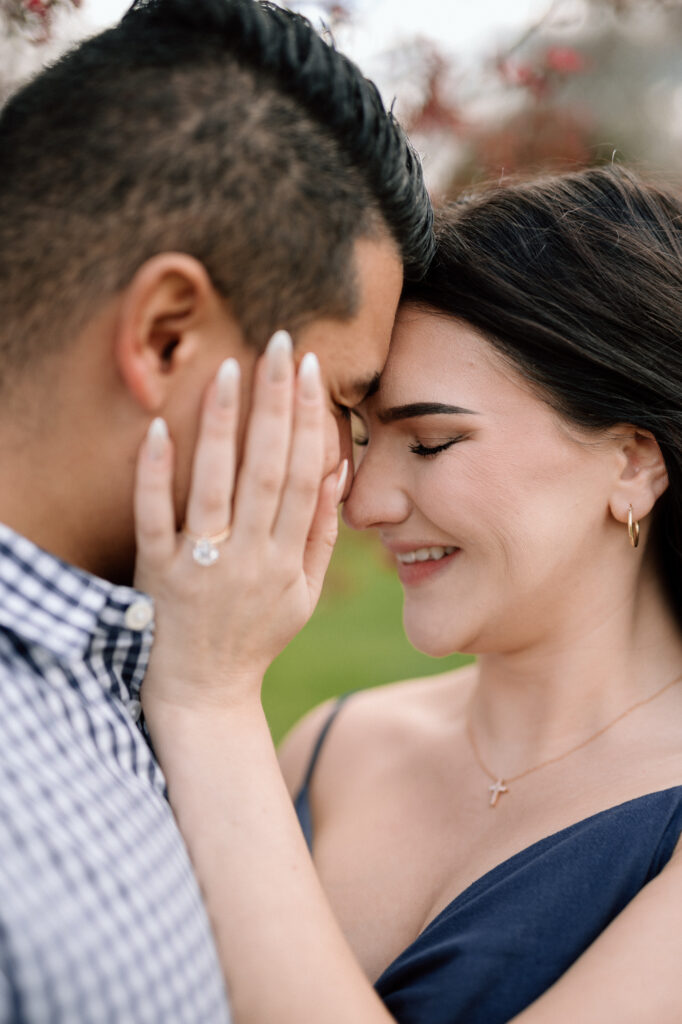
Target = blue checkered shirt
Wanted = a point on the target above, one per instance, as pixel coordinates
(101, 919)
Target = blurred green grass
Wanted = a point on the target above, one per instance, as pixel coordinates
(354, 640)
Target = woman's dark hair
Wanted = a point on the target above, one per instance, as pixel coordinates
(577, 280)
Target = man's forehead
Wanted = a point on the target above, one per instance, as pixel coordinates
(352, 369)
(353, 352)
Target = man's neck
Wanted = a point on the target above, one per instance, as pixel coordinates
(48, 498)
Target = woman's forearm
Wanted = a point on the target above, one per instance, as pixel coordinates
(218, 627)
(283, 954)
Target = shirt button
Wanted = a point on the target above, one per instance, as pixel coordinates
(139, 615)
(134, 710)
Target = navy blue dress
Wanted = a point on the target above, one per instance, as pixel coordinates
(506, 938)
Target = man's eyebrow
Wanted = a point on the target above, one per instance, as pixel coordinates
(359, 390)
(414, 409)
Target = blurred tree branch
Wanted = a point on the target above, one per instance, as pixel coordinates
(579, 83)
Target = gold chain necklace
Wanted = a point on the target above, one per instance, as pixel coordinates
(500, 785)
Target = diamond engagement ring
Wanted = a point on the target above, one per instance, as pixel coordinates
(205, 546)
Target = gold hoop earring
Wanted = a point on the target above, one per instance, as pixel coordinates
(633, 528)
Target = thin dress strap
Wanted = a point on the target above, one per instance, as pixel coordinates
(321, 738)
(302, 801)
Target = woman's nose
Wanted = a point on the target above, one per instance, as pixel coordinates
(375, 496)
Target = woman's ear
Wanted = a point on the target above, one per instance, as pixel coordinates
(643, 477)
(159, 325)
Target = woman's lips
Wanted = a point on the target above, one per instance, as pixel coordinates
(417, 572)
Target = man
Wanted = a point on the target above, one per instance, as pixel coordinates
(173, 191)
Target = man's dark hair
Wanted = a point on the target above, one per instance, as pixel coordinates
(225, 129)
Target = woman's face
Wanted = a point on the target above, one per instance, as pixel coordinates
(494, 509)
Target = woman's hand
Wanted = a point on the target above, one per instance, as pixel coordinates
(220, 626)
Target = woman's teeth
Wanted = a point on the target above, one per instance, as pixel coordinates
(424, 555)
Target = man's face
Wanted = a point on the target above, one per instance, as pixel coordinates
(352, 353)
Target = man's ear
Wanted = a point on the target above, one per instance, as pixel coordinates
(159, 325)
(643, 477)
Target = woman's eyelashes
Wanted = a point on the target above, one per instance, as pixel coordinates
(426, 451)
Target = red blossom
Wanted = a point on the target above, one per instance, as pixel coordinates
(538, 75)
(565, 60)
(528, 77)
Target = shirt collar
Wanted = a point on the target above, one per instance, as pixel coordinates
(71, 613)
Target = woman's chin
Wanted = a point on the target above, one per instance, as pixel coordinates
(437, 643)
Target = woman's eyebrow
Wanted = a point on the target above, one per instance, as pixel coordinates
(414, 409)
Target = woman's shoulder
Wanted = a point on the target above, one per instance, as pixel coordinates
(370, 722)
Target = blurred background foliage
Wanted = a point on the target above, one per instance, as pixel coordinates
(582, 82)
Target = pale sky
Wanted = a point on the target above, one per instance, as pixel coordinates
(462, 26)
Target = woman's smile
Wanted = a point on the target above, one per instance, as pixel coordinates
(417, 562)
(420, 571)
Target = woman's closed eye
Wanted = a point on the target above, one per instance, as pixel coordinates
(426, 451)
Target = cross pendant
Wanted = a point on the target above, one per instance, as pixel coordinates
(495, 790)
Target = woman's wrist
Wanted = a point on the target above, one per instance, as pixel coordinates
(190, 703)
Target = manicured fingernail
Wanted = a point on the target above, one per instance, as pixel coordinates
(341, 481)
(157, 438)
(227, 383)
(278, 355)
(309, 375)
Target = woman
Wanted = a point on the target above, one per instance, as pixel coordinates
(499, 842)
